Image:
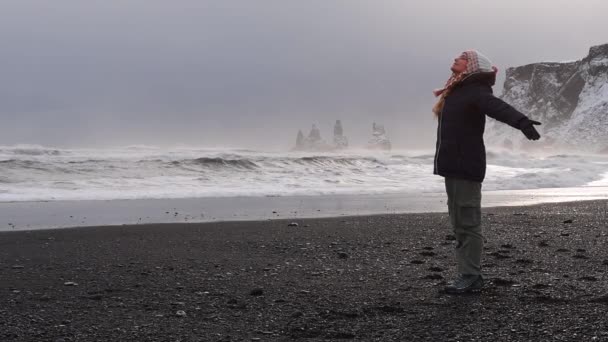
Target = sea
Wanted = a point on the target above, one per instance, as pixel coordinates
(30, 173)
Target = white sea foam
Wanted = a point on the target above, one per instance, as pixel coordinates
(38, 173)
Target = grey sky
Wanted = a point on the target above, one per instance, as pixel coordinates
(208, 73)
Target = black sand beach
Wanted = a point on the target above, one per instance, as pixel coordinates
(365, 278)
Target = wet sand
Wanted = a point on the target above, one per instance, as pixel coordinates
(364, 278)
(62, 214)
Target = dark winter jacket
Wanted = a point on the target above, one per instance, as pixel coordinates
(460, 151)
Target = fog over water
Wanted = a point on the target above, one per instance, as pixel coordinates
(250, 74)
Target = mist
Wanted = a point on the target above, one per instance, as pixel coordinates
(250, 74)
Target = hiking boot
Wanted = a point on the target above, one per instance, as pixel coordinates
(465, 283)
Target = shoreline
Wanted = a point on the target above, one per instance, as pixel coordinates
(364, 278)
(18, 216)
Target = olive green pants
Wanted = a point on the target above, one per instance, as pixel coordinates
(464, 207)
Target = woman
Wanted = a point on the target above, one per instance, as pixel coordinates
(460, 155)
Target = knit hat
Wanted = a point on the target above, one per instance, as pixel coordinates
(477, 62)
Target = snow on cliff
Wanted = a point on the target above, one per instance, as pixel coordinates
(570, 99)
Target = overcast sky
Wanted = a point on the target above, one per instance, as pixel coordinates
(250, 73)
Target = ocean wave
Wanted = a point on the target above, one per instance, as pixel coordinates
(87, 161)
(30, 150)
(221, 162)
(337, 160)
(141, 147)
(23, 164)
(174, 173)
(35, 152)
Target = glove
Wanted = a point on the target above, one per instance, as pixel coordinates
(527, 128)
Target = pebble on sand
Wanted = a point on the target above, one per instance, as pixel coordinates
(256, 292)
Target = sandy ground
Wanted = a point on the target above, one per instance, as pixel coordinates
(365, 278)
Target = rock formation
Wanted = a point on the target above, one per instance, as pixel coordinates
(300, 142)
(315, 135)
(569, 98)
(314, 141)
(379, 140)
(340, 141)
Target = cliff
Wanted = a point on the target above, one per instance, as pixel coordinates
(570, 99)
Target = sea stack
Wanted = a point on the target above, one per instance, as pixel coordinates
(379, 140)
(340, 141)
(300, 143)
